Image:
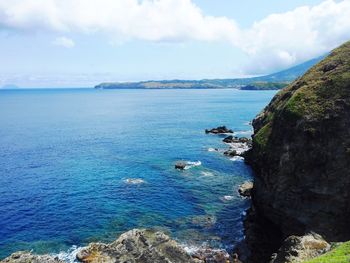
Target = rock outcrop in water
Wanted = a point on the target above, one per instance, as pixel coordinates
(136, 246)
(219, 130)
(301, 153)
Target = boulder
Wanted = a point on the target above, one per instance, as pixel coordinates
(180, 165)
(245, 189)
(298, 249)
(136, 246)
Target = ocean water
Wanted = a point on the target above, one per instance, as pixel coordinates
(66, 157)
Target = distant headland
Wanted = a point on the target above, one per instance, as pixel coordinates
(273, 81)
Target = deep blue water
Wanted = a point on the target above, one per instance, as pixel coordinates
(65, 156)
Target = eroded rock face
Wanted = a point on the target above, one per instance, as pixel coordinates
(298, 249)
(136, 246)
(27, 257)
(301, 153)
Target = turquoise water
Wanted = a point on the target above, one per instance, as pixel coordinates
(65, 156)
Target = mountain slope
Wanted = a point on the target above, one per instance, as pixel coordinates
(292, 73)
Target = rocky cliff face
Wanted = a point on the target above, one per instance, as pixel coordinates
(301, 153)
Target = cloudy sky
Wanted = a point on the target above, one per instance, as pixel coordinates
(54, 43)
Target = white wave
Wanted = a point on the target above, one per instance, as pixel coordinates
(227, 198)
(207, 173)
(247, 132)
(190, 165)
(237, 159)
(205, 249)
(134, 181)
(212, 150)
(69, 256)
(239, 147)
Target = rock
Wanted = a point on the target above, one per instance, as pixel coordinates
(136, 246)
(244, 140)
(230, 152)
(28, 257)
(219, 130)
(300, 153)
(180, 165)
(229, 139)
(245, 189)
(232, 139)
(209, 255)
(235, 258)
(298, 249)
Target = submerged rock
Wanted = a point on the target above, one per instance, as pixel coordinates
(219, 130)
(28, 257)
(245, 189)
(136, 246)
(187, 165)
(206, 221)
(298, 249)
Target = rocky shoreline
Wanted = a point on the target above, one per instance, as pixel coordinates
(134, 246)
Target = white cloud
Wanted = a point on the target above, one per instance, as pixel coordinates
(281, 40)
(64, 42)
(277, 41)
(157, 20)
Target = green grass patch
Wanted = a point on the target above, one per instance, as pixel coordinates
(340, 254)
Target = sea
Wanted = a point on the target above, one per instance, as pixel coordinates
(85, 165)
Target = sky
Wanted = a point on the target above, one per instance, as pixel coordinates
(80, 43)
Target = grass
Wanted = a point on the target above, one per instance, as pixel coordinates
(340, 254)
(261, 138)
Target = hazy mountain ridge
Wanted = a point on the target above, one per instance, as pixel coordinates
(276, 80)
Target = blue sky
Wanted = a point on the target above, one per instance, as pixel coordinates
(54, 43)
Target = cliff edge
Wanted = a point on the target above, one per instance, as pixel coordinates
(301, 153)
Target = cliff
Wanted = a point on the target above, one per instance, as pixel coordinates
(301, 153)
